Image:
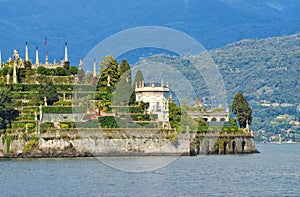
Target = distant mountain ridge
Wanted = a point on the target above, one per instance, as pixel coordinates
(83, 24)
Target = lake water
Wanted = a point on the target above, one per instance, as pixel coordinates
(274, 172)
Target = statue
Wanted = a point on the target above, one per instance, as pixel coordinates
(16, 54)
(108, 80)
(80, 64)
(45, 100)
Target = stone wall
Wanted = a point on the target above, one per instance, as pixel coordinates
(129, 142)
(223, 144)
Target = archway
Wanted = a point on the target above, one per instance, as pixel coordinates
(222, 119)
(243, 146)
(233, 147)
(214, 119)
(225, 147)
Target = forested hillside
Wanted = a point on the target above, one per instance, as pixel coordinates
(266, 71)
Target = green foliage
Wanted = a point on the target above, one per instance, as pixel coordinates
(21, 74)
(241, 109)
(128, 109)
(124, 91)
(125, 71)
(49, 91)
(138, 78)
(143, 117)
(41, 70)
(8, 139)
(174, 115)
(63, 110)
(44, 126)
(7, 111)
(67, 65)
(30, 145)
(108, 122)
(27, 65)
(6, 70)
(61, 71)
(73, 70)
(109, 72)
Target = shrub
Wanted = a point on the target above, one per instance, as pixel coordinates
(31, 144)
(44, 126)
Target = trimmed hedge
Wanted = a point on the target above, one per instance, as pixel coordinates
(44, 126)
(88, 124)
(62, 110)
(108, 122)
(116, 122)
(27, 117)
(30, 109)
(126, 109)
(22, 124)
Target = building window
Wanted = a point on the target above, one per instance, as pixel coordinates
(157, 106)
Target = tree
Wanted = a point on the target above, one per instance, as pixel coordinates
(73, 70)
(27, 65)
(123, 92)
(21, 74)
(138, 77)
(174, 115)
(125, 71)
(61, 71)
(48, 90)
(41, 70)
(7, 112)
(241, 109)
(109, 72)
(67, 65)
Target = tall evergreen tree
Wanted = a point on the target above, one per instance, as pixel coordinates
(123, 92)
(241, 109)
(125, 71)
(138, 78)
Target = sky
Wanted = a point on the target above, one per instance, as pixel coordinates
(84, 24)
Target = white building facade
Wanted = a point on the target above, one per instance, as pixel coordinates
(157, 97)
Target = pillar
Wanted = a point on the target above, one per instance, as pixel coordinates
(15, 72)
(26, 52)
(46, 58)
(66, 53)
(37, 56)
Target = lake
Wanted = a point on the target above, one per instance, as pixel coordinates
(273, 172)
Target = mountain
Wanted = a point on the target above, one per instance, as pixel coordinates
(266, 71)
(83, 24)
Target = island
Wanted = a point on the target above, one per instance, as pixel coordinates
(58, 110)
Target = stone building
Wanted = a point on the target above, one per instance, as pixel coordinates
(157, 97)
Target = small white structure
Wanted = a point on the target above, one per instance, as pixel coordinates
(157, 97)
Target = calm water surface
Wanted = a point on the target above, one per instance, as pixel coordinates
(274, 172)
